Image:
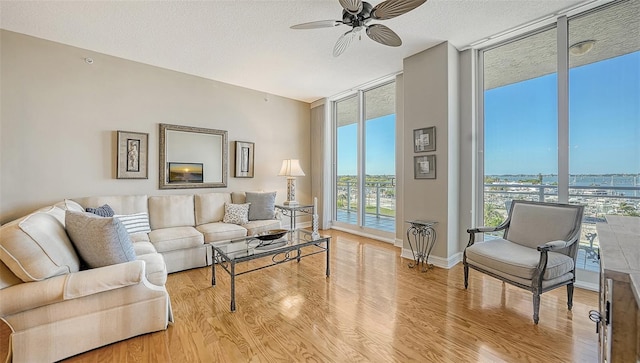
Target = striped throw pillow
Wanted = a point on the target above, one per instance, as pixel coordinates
(135, 223)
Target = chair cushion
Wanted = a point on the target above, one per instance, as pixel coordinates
(175, 238)
(220, 231)
(534, 224)
(100, 241)
(517, 260)
(263, 205)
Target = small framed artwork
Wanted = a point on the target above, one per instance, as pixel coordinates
(424, 139)
(185, 173)
(424, 167)
(244, 159)
(132, 158)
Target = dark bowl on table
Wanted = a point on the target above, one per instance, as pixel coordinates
(271, 234)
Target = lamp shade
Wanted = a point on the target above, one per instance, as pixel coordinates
(291, 167)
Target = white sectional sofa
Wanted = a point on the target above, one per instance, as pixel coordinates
(56, 309)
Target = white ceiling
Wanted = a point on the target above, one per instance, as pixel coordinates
(249, 43)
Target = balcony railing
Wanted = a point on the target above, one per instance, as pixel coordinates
(598, 201)
(379, 203)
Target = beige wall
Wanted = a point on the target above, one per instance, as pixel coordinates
(59, 116)
(431, 99)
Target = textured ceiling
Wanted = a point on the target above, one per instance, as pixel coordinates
(249, 43)
(615, 30)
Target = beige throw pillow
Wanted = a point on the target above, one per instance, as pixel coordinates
(236, 213)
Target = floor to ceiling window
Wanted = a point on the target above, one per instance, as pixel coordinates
(365, 126)
(590, 156)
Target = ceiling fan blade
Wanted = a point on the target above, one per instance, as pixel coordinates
(343, 42)
(383, 35)
(351, 6)
(392, 8)
(317, 24)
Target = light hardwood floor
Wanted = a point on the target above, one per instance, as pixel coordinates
(372, 308)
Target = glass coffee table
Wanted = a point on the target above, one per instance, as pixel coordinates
(294, 245)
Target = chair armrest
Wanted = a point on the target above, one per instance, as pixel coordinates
(554, 245)
(472, 231)
(483, 229)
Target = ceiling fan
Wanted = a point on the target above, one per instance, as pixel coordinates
(357, 14)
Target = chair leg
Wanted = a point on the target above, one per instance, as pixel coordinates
(466, 276)
(570, 296)
(536, 307)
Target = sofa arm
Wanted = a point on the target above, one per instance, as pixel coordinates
(97, 280)
(31, 295)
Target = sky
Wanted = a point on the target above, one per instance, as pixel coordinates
(604, 122)
(521, 125)
(380, 147)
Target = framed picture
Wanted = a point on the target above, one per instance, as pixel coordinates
(244, 159)
(185, 173)
(424, 139)
(424, 167)
(132, 158)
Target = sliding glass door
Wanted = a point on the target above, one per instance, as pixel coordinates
(565, 127)
(365, 126)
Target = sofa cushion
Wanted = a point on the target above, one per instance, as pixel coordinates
(72, 205)
(517, 260)
(236, 213)
(238, 197)
(121, 204)
(171, 211)
(210, 207)
(263, 205)
(37, 247)
(143, 248)
(103, 210)
(7, 278)
(220, 231)
(100, 241)
(256, 227)
(169, 239)
(155, 268)
(135, 223)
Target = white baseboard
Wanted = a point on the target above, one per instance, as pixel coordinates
(446, 263)
(364, 234)
(399, 243)
(587, 286)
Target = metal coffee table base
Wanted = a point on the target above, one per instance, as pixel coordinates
(278, 255)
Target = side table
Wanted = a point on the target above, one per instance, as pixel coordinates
(422, 237)
(292, 212)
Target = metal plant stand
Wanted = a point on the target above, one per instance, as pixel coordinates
(422, 238)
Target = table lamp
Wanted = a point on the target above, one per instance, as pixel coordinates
(291, 169)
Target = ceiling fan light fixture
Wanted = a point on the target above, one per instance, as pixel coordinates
(357, 14)
(582, 48)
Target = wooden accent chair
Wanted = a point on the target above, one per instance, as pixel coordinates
(537, 251)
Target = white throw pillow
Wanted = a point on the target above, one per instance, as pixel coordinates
(135, 223)
(236, 213)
